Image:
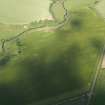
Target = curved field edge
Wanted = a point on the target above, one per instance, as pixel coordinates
(54, 6)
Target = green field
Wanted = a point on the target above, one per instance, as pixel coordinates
(52, 63)
(43, 67)
(23, 11)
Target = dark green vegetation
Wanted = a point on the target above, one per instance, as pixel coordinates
(99, 97)
(43, 23)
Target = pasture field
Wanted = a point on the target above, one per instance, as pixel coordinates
(42, 67)
(52, 64)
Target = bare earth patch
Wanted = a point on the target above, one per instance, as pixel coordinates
(103, 63)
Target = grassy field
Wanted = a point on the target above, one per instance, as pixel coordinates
(23, 11)
(39, 68)
(51, 63)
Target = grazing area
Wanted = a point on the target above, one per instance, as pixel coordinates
(56, 61)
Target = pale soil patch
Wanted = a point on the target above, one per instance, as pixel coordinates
(103, 63)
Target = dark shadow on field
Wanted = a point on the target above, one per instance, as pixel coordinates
(99, 98)
(10, 96)
(41, 80)
(4, 60)
(77, 23)
(96, 43)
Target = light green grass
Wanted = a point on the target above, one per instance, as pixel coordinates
(23, 11)
(58, 11)
(7, 31)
